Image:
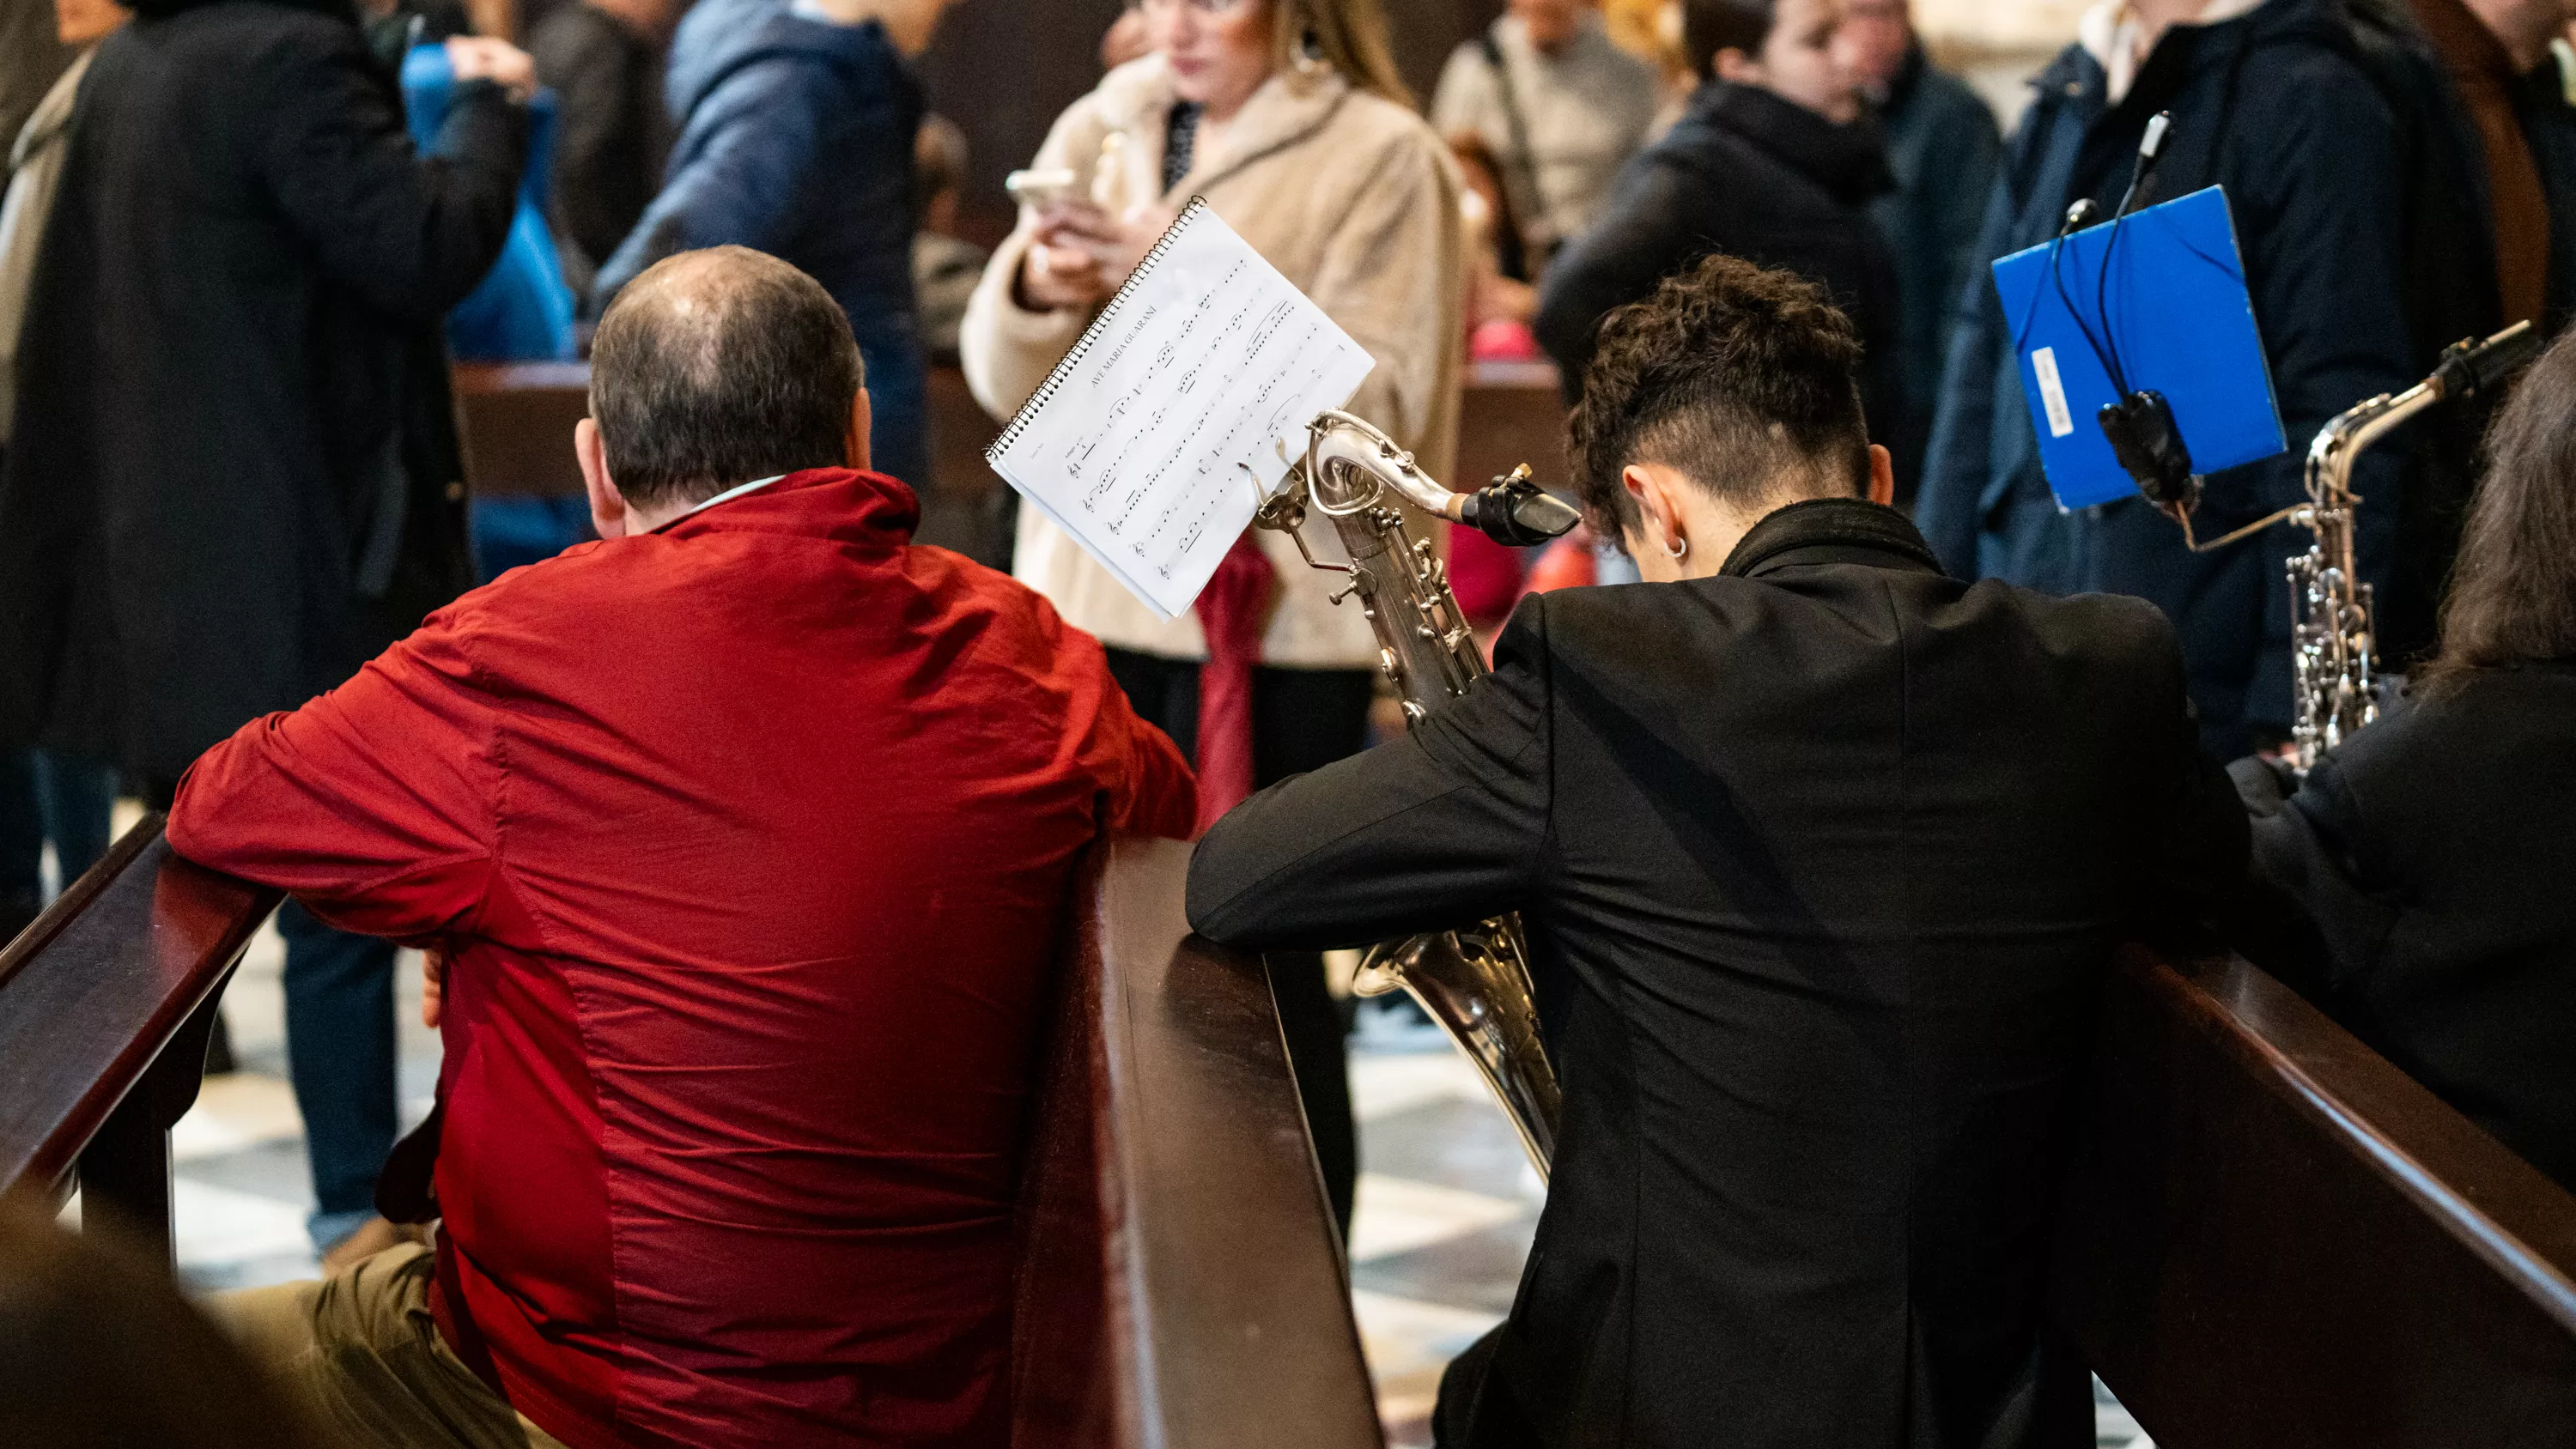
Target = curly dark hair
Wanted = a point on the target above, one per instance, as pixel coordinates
(1731, 373)
(2513, 589)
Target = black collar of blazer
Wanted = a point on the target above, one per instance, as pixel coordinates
(1830, 530)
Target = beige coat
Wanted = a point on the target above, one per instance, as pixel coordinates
(1355, 201)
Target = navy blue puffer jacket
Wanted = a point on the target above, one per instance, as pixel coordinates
(2275, 107)
(796, 140)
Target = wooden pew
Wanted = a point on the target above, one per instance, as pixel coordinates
(106, 1004)
(2276, 1238)
(1180, 1280)
(515, 420)
(1511, 413)
(1172, 1197)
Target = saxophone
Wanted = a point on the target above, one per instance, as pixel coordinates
(1475, 982)
(2330, 605)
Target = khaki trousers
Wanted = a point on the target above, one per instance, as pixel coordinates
(362, 1355)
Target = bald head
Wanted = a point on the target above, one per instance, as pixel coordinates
(717, 367)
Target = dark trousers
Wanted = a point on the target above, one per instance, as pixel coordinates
(1301, 719)
(340, 1058)
(47, 797)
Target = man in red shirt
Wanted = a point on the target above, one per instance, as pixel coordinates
(746, 833)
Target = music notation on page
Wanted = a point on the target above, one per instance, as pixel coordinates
(1203, 370)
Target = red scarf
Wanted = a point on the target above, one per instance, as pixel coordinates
(1230, 611)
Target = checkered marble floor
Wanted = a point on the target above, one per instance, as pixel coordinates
(240, 1190)
(1447, 1203)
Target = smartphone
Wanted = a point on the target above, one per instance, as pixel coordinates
(1039, 188)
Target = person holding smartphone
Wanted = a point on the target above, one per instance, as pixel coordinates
(1287, 116)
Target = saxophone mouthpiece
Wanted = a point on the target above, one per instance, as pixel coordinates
(1517, 513)
(2470, 368)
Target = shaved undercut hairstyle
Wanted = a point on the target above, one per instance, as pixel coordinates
(1744, 380)
(717, 367)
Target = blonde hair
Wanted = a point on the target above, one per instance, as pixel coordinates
(1348, 35)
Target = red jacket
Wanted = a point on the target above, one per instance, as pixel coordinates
(750, 839)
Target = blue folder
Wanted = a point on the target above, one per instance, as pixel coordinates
(2172, 309)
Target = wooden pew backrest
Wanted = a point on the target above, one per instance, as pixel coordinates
(105, 1007)
(2277, 1238)
(1181, 1281)
(517, 421)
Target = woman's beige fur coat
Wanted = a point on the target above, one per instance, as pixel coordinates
(1352, 198)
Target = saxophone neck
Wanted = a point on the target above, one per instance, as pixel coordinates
(2340, 443)
(2467, 369)
(1513, 511)
(1363, 452)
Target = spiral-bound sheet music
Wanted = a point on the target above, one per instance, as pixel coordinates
(1153, 441)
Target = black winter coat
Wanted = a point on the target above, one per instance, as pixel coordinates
(611, 133)
(1822, 862)
(2452, 293)
(1753, 176)
(2275, 107)
(2425, 864)
(235, 473)
(1944, 150)
(2549, 123)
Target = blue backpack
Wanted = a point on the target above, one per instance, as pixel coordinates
(523, 311)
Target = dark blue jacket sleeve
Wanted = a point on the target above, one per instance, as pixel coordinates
(739, 174)
(1970, 151)
(2318, 199)
(2319, 196)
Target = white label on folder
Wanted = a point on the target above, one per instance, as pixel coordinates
(2052, 393)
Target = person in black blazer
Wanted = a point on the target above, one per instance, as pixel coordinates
(1823, 856)
(2423, 864)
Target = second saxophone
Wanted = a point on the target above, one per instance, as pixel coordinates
(2331, 653)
